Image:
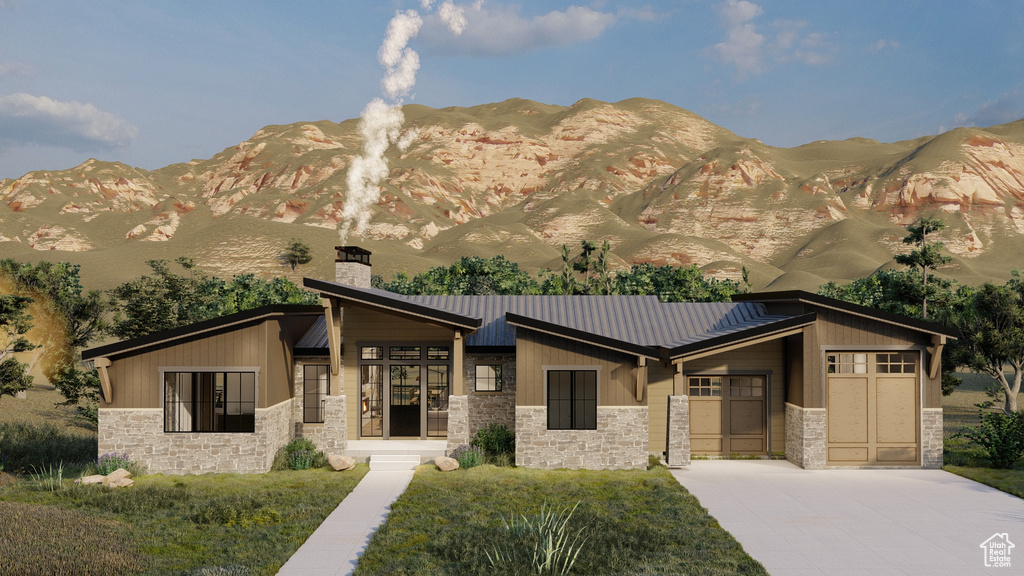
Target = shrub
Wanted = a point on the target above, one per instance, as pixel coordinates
(287, 460)
(1000, 435)
(111, 461)
(29, 446)
(468, 456)
(49, 479)
(300, 460)
(542, 543)
(495, 439)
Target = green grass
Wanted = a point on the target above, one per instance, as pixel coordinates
(25, 447)
(249, 523)
(963, 457)
(635, 522)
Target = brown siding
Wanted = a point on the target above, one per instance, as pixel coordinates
(659, 388)
(361, 325)
(835, 328)
(763, 357)
(535, 350)
(794, 370)
(267, 344)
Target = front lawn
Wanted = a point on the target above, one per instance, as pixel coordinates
(633, 522)
(963, 457)
(211, 524)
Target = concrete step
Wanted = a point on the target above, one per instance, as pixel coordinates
(394, 461)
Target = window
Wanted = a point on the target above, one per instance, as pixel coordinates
(437, 352)
(209, 401)
(404, 352)
(488, 378)
(372, 353)
(314, 388)
(705, 385)
(572, 400)
(895, 362)
(847, 363)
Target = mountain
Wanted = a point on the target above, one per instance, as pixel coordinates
(521, 178)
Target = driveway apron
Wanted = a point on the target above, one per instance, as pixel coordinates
(873, 522)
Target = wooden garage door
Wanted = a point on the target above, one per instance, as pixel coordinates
(728, 414)
(872, 409)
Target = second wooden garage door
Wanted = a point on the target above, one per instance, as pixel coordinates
(728, 414)
(872, 409)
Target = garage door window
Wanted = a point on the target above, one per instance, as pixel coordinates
(705, 386)
(895, 362)
(853, 363)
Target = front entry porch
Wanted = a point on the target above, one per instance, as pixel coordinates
(427, 450)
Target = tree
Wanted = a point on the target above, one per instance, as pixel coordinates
(77, 386)
(926, 256)
(14, 323)
(297, 252)
(59, 287)
(166, 299)
(893, 291)
(468, 275)
(674, 284)
(991, 323)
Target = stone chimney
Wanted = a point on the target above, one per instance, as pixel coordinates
(352, 266)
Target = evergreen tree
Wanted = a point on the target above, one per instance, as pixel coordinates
(297, 252)
(927, 256)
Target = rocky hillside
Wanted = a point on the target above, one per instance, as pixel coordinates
(521, 178)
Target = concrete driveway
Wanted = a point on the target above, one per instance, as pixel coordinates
(870, 522)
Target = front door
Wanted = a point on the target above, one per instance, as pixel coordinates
(728, 415)
(405, 400)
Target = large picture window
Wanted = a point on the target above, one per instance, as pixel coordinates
(209, 401)
(572, 400)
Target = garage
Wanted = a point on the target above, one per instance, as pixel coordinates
(728, 414)
(872, 408)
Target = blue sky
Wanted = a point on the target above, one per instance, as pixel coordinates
(154, 83)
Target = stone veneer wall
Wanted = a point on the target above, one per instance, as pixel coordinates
(805, 437)
(140, 433)
(931, 438)
(678, 453)
(352, 274)
(487, 407)
(620, 441)
(458, 422)
(332, 435)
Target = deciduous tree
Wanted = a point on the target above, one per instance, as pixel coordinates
(14, 323)
(297, 252)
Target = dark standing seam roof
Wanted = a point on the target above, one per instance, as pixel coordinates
(640, 321)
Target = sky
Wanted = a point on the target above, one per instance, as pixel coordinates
(154, 83)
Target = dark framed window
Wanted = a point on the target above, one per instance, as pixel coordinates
(315, 379)
(404, 353)
(371, 353)
(209, 401)
(438, 352)
(572, 400)
(488, 378)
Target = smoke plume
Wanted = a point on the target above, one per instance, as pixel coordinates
(381, 121)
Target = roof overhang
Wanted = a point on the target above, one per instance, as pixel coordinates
(200, 328)
(382, 301)
(849, 308)
(739, 338)
(561, 331)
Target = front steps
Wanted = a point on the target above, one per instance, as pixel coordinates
(425, 450)
(379, 462)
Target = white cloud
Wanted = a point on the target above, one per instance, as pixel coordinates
(882, 44)
(1007, 108)
(747, 48)
(28, 119)
(743, 46)
(504, 30)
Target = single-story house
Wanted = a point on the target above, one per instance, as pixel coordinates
(584, 381)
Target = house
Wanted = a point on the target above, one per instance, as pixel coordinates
(584, 381)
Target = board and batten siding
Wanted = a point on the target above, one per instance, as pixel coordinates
(363, 326)
(535, 350)
(267, 343)
(834, 328)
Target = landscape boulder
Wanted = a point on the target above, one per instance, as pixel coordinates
(446, 464)
(119, 478)
(341, 463)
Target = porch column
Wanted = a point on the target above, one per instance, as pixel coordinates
(458, 403)
(677, 445)
(458, 365)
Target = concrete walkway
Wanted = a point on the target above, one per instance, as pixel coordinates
(844, 522)
(334, 548)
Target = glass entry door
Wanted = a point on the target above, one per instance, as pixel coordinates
(405, 400)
